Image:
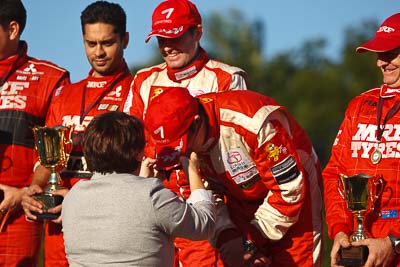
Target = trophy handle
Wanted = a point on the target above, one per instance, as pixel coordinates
(35, 129)
(68, 141)
(340, 185)
(376, 190)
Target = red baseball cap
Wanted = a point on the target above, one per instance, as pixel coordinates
(172, 18)
(168, 118)
(387, 37)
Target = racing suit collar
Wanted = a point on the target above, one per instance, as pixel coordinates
(387, 91)
(190, 70)
(122, 68)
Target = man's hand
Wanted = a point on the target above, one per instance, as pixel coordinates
(233, 253)
(57, 209)
(381, 252)
(341, 240)
(12, 197)
(30, 203)
(256, 260)
(147, 168)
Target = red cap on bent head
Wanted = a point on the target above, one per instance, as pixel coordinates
(168, 118)
(172, 18)
(387, 37)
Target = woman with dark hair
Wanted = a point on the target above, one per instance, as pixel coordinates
(123, 219)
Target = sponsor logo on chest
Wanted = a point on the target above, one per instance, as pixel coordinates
(364, 142)
(11, 95)
(74, 120)
(93, 84)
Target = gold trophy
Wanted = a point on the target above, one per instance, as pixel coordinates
(360, 193)
(53, 146)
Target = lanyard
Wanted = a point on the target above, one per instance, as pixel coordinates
(393, 110)
(84, 111)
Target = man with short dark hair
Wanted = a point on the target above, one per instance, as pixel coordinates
(105, 89)
(26, 86)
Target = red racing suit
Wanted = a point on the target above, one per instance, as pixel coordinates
(77, 104)
(264, 163)
(26, 86)
(204, 75)
(351, 154)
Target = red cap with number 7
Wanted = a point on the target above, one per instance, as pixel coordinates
(168, 118)
(172, 18)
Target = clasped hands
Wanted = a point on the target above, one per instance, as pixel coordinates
(31, 204)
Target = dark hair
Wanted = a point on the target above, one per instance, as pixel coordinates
(105, 12)
(192, 30)
(112, 142)
(12, 10)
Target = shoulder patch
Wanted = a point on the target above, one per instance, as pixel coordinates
(285, 171)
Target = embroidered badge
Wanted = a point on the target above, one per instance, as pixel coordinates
(205, 99)
(274, 151)
(285, 171)
(239, 165)
(389, 214)
(156, 92)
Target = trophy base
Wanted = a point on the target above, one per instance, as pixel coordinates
(353, 256)
(49, 201)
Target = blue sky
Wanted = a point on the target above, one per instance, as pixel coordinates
(53, 29)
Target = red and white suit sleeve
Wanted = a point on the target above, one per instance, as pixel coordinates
(281, 172)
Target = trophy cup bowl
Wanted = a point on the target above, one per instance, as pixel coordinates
(360, 193)
(53, 146)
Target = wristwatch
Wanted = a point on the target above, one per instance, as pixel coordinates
(395, 243)
(249, 246)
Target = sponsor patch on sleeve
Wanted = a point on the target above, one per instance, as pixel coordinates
(240, 166)
(275, 152)
(285, 171)
(389, 214)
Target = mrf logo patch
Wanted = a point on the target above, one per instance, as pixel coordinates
(285, 171)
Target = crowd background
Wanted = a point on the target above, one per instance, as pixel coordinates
(315, 86)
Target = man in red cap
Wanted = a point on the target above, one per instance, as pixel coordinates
(177, 25)
(368, 142)
(253, 152)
